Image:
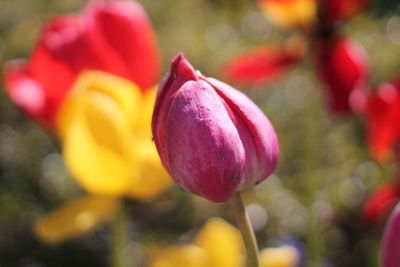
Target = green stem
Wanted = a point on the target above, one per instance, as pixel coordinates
(119, 239)
(243, 223)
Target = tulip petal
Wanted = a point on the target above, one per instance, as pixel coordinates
(151, 177)
(58, 57)
(222, 242)
(180, 73)
(389, 256)
(188, 256)
(290, 14)
(259, 66)
(127, 30)
(198, 111)
(26, 92)
(75, 218)
(261, 130)
(96, 129)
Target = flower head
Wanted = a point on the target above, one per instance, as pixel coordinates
(112, 36)
(211, 138)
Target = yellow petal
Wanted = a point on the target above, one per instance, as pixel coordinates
(127, 94)
(222, 242)
(75, 218)
(181, 256)
(285, 256)
(143, 126)
(290, 14)
(151, 177)
(105, 129)
(96, 129)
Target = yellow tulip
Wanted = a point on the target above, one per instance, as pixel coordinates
(104, 127)
(223, 243)
(219, 244)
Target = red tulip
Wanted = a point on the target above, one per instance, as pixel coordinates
(104, 36)
(390, 244)
(211, 138)
(383, 116)
(260, 66)
(381, 202)
(342, 67)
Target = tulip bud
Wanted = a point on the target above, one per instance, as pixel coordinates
(389, 256)
(211, 138)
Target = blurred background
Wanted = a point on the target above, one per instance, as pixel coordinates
(315, 197)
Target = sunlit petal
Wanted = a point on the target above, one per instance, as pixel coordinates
(96, 128)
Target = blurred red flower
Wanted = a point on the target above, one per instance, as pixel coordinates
(260, 65)
(104, 36)
(382, 117)
(342, 66)
(380, 203)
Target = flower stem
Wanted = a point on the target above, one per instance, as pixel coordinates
(243, 223)
(119, 238)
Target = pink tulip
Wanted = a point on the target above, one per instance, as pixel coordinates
(390, 245)
(211, 138)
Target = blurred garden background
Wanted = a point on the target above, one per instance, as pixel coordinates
(315, 198)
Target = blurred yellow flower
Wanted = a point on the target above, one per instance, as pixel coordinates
(290, 14)
(284, 256)
(219, 244)
(104, 128)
